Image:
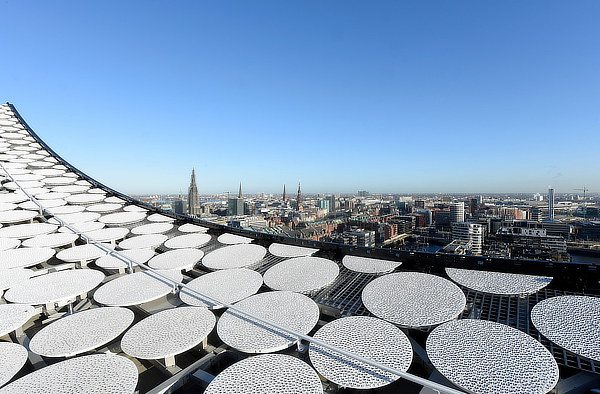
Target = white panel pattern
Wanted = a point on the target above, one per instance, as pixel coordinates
(301, 274)
(498, 282)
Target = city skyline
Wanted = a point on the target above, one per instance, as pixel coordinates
(392, 98)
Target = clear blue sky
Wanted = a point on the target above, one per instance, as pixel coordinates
(399, 96)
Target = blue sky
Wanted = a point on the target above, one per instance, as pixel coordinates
(399, 96)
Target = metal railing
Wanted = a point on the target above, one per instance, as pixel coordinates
(180, 285)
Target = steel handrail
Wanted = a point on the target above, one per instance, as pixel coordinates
(177, 284)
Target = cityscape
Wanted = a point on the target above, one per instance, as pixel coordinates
(540, 226)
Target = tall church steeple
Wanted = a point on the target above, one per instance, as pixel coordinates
(193, 198)
(284, 196)
(299, 198)
(240, 193)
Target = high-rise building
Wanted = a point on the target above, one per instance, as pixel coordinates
(235, 205)
(193, 198)
(332, 203)
(550, 203)
(469, 233)
(178, 206)
(457, 212)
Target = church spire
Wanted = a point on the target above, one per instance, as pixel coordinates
(284, 196)
(299, 199)
(240, 193)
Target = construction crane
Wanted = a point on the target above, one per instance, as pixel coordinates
(584, 189)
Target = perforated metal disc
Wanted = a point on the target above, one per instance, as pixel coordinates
(168, 333)
(158, 218)
(229, 286)
(134, 208)
(9, 206)
(188, 241)
(152, 228)
(267, 373)
(14, 198)
(413, 299)
(369, 265)
(97, 373)
(12, 358)
(80, 253)
(74, 218)
(17, 216)
(135, 289)
(13, 276)
(369, 337)
(232, 239)
(486, 357)
(192, 228)
(9, 243)
(50, 240)
(81, 332)
(54, 287)
(85, 198)
(122, 218)
(282, 250)
(106, 234)
(63, 210)
(46, 204)
(301, 274)
(234, 256)
(103, 208)
(498, 282)
(151, 241)
(28, 230)
(46, 195)
(292, 310)
(114, 262)
(179, 259)
(572, 322)
(70, 189)
(24, 257)
(13, 316)
(86, 227)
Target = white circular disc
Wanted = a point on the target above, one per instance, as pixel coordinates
(301, 274)
(15, 197)
(65, 210)
(54, 287)
(9, 243)
(292, 310)
(192, 228)
(74, 218)
(85, 198)
(122, 218)
(369, 265)
(93, 374)
(24, 257)
(78, 253)
(110, 234)
(51, 196)
(12, 358)
(114, 200)
(81, 332)
(58, 181)
(498, 282)
(229, 286)
(137, 288)
(12, 276)
(27, 230)
(194, 240)
(114, 262)
(86, 227)
(267, 373)
(13, 316)
(484, 357)
(413, 299)
(168, 333)
(103, 208)
(55, 240)
(17, 216)
(232, 239)
(152, 228)
(149, 241)
(368, 337)
(9, 206)
(179, 259)
(234, 256)
(70, 189)
(45, 204)
(572, 322)
(283, 250)
(133, 208)
(158, 218)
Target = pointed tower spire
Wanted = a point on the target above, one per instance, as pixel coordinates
(193, 198)
(240, 193)
(299, 199)
(284, 196)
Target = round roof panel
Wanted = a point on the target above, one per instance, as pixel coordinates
(369, 265)
(301, 274)
(234, 256)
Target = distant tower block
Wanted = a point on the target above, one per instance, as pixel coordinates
(193, 198)
(299, 198)
(550, 203)
(457, 212)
